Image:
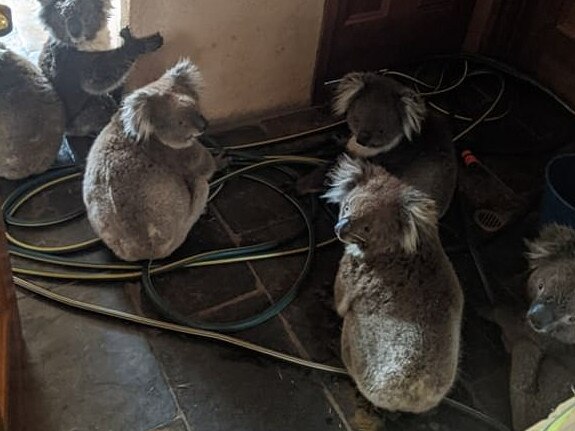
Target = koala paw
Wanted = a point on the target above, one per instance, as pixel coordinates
(151, 43)
(222, 161)
(126, 34)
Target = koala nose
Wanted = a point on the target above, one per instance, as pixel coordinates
(342, 227)
(363, 138)
(74, 27)
(540, 315)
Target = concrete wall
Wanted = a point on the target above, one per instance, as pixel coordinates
(256, 56)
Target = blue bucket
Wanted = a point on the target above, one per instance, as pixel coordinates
(559, 197)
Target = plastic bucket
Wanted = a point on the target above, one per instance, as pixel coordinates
(559, 196)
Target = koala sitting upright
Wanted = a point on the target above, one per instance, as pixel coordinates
(551, 285)
(391, 127)
(82, 73)
(396, 290)
(146, 180)
(31, 118)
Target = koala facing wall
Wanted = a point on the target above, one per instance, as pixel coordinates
(396, 290)
(78, 61)
(146, 180)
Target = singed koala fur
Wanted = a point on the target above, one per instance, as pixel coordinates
(551, 285)
(146, 180)
(31, 118)
(396, 290)
(391, 127)
(78, 60)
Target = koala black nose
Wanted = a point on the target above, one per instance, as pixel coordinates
(363, 138)
(342, 227)
(540, 315)
(74, 27)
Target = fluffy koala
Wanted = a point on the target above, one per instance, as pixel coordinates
(78, 61)
(391, 127)
(31, 118)
(551, 284)
(396, 290)
(146, 180)
(542, 369)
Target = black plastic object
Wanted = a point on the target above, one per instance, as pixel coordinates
(559, 198)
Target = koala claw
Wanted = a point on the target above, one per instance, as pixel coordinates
(126, 34)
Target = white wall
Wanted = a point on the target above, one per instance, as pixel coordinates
(256, 55)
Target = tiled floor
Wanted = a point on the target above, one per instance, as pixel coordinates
(89, 373)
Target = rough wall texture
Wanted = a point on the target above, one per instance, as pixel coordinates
(256, 55)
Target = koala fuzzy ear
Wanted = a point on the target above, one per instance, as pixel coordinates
(187, 77)
(554, 240)
(414, 111)
(349, 87)
(136, 114)
(418, 218)
(347, 174)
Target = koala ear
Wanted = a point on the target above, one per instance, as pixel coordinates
(554, 240)
(345, 176)
(413, 112)
(418, 218)
(348, 89)
(136, 114)
(187, 77)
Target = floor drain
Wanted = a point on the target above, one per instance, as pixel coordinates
(488, 220)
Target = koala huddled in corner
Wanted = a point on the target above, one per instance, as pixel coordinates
(80, 64)
(146, 180)
(551, 285)
(391, 127)
(31, 118)
(396, 290)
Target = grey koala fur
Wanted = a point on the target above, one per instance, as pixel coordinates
(391, 127)
(396, 290)
(147, 174)
(542, 368)
(31, 118)
(551, 284)
(82, 76)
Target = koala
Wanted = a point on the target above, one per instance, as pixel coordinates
(395, 289)
(551, 284)
(78, 60)
(391, 127)
(542, 368)
(146, 180)
(31, 118)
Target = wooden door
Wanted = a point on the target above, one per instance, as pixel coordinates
(537, 36)
(373, 34)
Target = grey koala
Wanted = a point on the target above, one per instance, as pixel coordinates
(551, 284)
(396, 290)
(31, 118)
(542, 368)
(146, 180)
(78, 61)
(391, 127)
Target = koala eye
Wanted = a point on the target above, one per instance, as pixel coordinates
(540, 286)
(366, 229)
(571, 319)
(346, 208)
